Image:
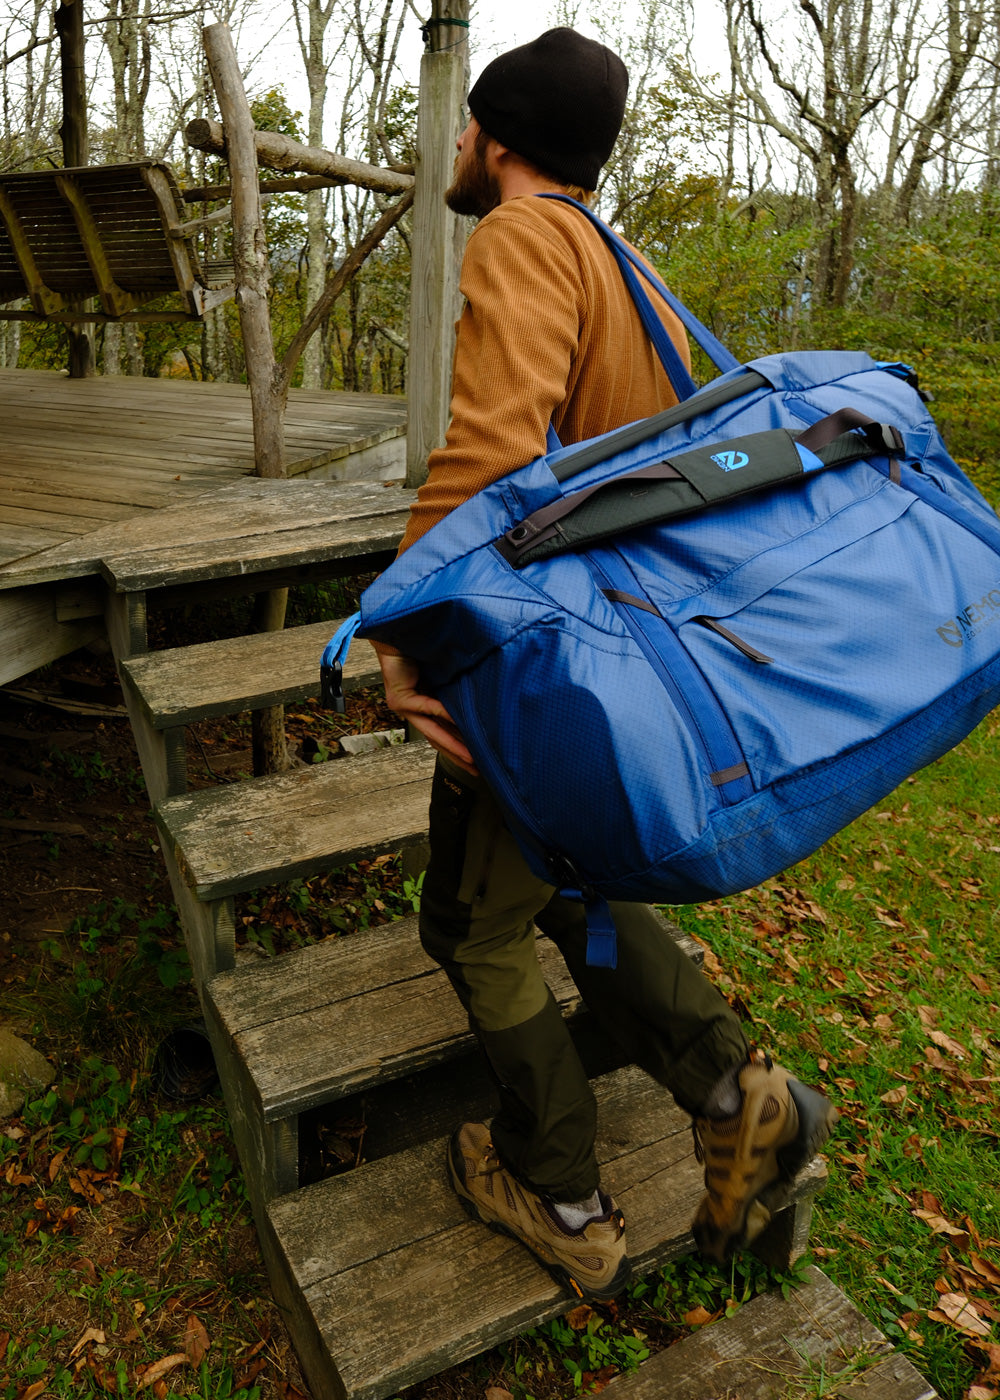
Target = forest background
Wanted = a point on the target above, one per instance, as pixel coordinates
(804, 173)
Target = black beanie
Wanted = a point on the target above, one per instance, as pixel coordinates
(558, 101)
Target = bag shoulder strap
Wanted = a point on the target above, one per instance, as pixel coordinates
(629, 263)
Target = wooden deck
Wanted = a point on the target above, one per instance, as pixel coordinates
(83, 461)
(76, 454)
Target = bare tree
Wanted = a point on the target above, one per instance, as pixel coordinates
(838, 81)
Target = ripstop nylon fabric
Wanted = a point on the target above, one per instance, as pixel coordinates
(641, 755)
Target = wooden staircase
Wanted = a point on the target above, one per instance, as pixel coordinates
(383, 1278)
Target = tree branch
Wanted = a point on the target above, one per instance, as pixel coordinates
(338, 282)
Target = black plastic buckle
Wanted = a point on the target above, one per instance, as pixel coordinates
(567, 877)
(331, 687)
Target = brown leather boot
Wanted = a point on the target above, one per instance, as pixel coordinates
(751, 1158)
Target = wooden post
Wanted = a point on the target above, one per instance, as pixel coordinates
(438, 234)
(75, 151)
(268, 386)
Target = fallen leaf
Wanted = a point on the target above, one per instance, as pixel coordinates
(156, 1370)
(981, 1392)
(31, 1391)
(895, 1096)
(940, 1226)
(196, 1342)
(245, 1378)
(980, 983)
(493, 1392)
(697, 1317)
(956, 1310)
(579, 1317)
(883, 1023)
(929, 1016)
(990, 1273)
(946, 1043)
(86, 1266)
(92, 1334)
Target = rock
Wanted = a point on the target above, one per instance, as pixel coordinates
(368, 743)
(21, 1068)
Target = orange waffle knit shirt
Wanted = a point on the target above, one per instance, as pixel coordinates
(548, 333)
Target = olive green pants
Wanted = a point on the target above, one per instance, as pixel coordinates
(478, 912)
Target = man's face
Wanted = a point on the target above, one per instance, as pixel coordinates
(474, 189)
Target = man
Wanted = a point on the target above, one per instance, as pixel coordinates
(549, 334)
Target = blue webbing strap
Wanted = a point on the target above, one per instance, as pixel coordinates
(331, 666)
(699, 332)
(602, 943)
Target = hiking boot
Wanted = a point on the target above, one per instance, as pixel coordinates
(752, 1158)
(590, 1262)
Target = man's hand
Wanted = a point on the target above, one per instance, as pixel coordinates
(402, 677)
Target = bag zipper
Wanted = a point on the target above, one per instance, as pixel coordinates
(705, 718)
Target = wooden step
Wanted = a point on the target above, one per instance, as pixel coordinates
(227, 840)
(255, 527)
(185, 684)
(343, 1018)
(321, 1022)
(773, 1348)
(386, 1280)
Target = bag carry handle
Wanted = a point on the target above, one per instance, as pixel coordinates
(628, 262)
(689, 481)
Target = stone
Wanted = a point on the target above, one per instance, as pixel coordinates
(368, 743)
(21, 1068)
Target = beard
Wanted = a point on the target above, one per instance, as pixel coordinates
(473, 190)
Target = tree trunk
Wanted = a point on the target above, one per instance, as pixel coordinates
(279, 152)
(69, 26)
(312, 44)
(268, 388)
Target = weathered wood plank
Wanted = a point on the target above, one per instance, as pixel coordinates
(198, 682)
(358, 1251)
(194, 563)
(773, 1347)
(32, 634)
(18, 495)
(348, 1013)
(323, 1021)
(294, 522)
(300, 823)
(147, 443)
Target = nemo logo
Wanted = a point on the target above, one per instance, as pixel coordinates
(730, 461)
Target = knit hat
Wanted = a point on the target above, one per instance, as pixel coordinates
(558, 101)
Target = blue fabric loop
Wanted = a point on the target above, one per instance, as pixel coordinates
(336, 649)
(810, 462)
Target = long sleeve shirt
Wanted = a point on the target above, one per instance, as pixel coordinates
(548, 333)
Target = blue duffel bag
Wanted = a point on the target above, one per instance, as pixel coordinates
(686, 653)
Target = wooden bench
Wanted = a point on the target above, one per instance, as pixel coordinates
(117, 233)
